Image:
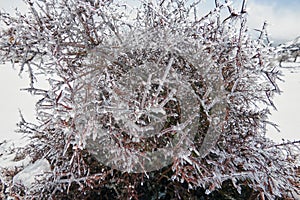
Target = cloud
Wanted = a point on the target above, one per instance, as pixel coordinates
(282, 20)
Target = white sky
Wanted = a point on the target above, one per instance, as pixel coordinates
(282, 17)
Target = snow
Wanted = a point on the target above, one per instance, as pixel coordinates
(7, 156)
(287, 105)
(31, 173)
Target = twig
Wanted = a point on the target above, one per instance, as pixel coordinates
(285, 143)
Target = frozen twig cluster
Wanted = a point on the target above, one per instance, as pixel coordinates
(157, 94)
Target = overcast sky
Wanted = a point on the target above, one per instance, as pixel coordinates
(282, 16)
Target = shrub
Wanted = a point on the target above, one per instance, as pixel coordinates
(156, 101)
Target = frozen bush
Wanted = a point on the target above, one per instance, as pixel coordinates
(155, 99)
